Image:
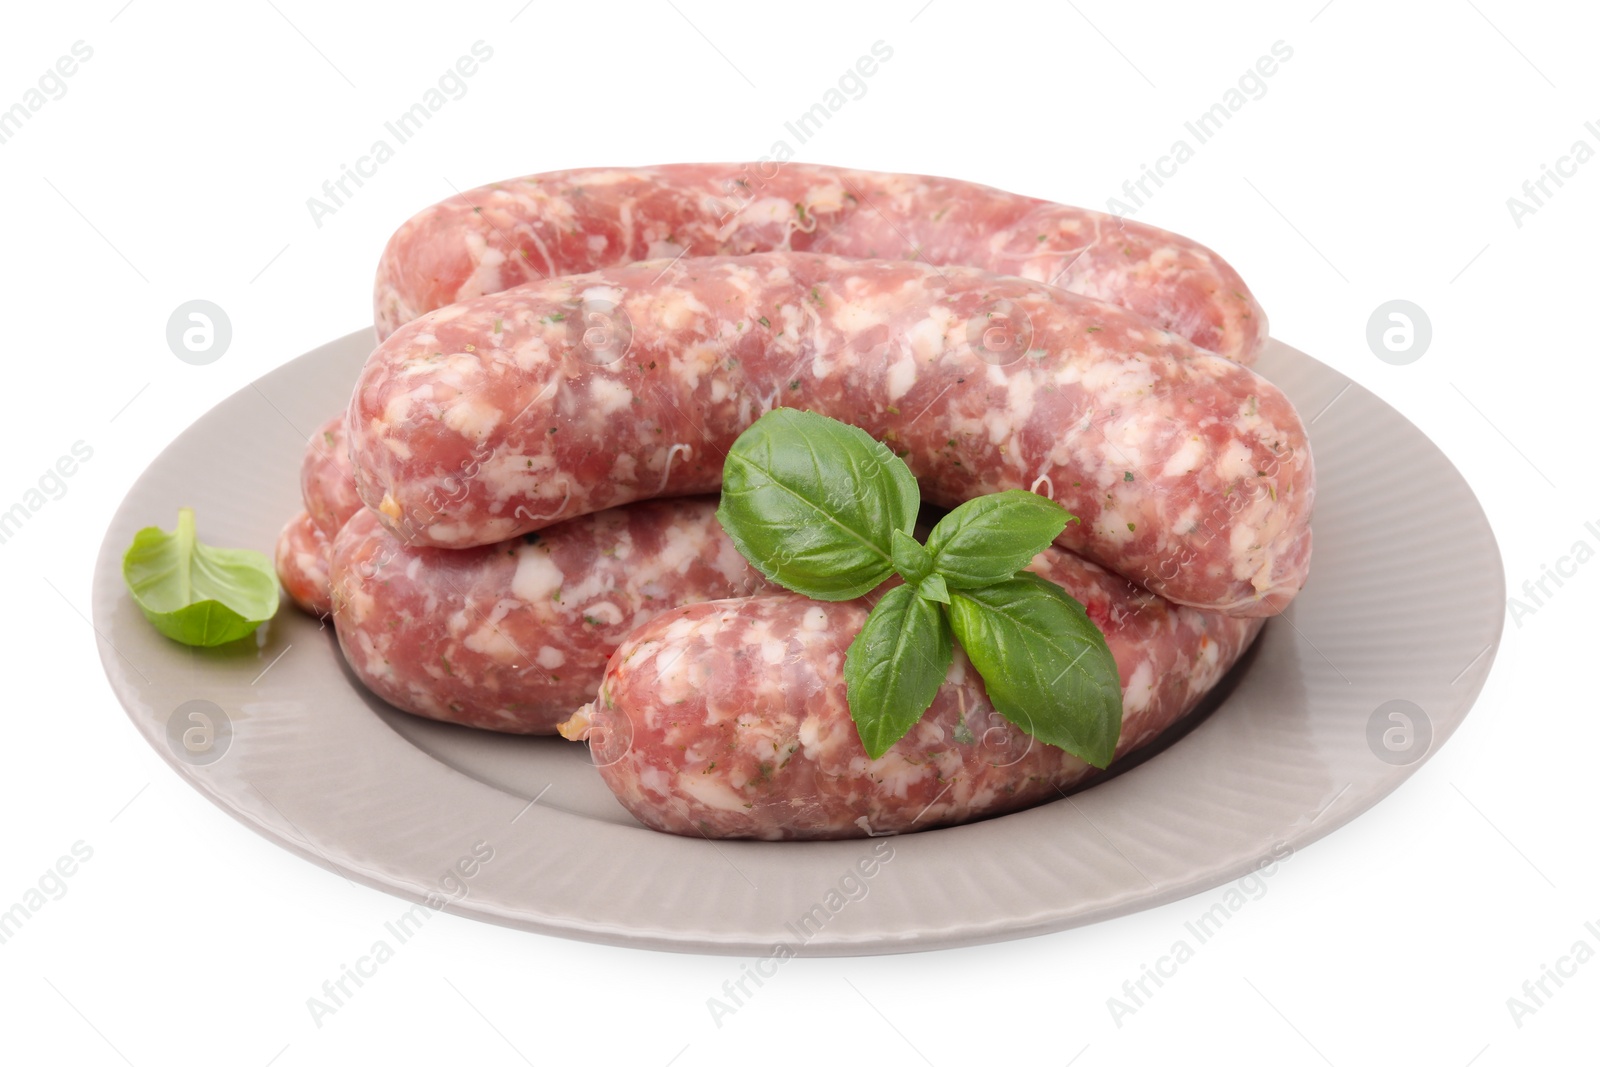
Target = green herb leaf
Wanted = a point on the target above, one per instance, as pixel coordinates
(993, 537)
(1044, 664)
(933, 588)
(813, 503)
(894, 666)
(196, 594)
(911, 560)
(821, 508)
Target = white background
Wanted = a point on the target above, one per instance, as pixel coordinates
(1376, 166)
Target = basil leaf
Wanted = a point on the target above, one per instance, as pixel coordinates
(933, 588)
(894, 666)
(812, 503)
(992, 537)
(1044, 664)
(196, 594)
(911, 560)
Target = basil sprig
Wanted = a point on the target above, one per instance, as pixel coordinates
(821, 508)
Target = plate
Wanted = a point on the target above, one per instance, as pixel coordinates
(1343, 697)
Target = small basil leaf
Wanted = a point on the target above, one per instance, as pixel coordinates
(196, 594)
(1044, 664)
(894, 666)
(812, 503)
(933, 588)
(911, 560)
(993, 537)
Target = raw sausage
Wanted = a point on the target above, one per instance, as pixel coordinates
(328, 479)
(328, 490)
(729, 719)
(301, 559)
(490, 418)
(512, 637)
(571, 222)
(1191, 475)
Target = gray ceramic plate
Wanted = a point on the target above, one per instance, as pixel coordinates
(1405, 605)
